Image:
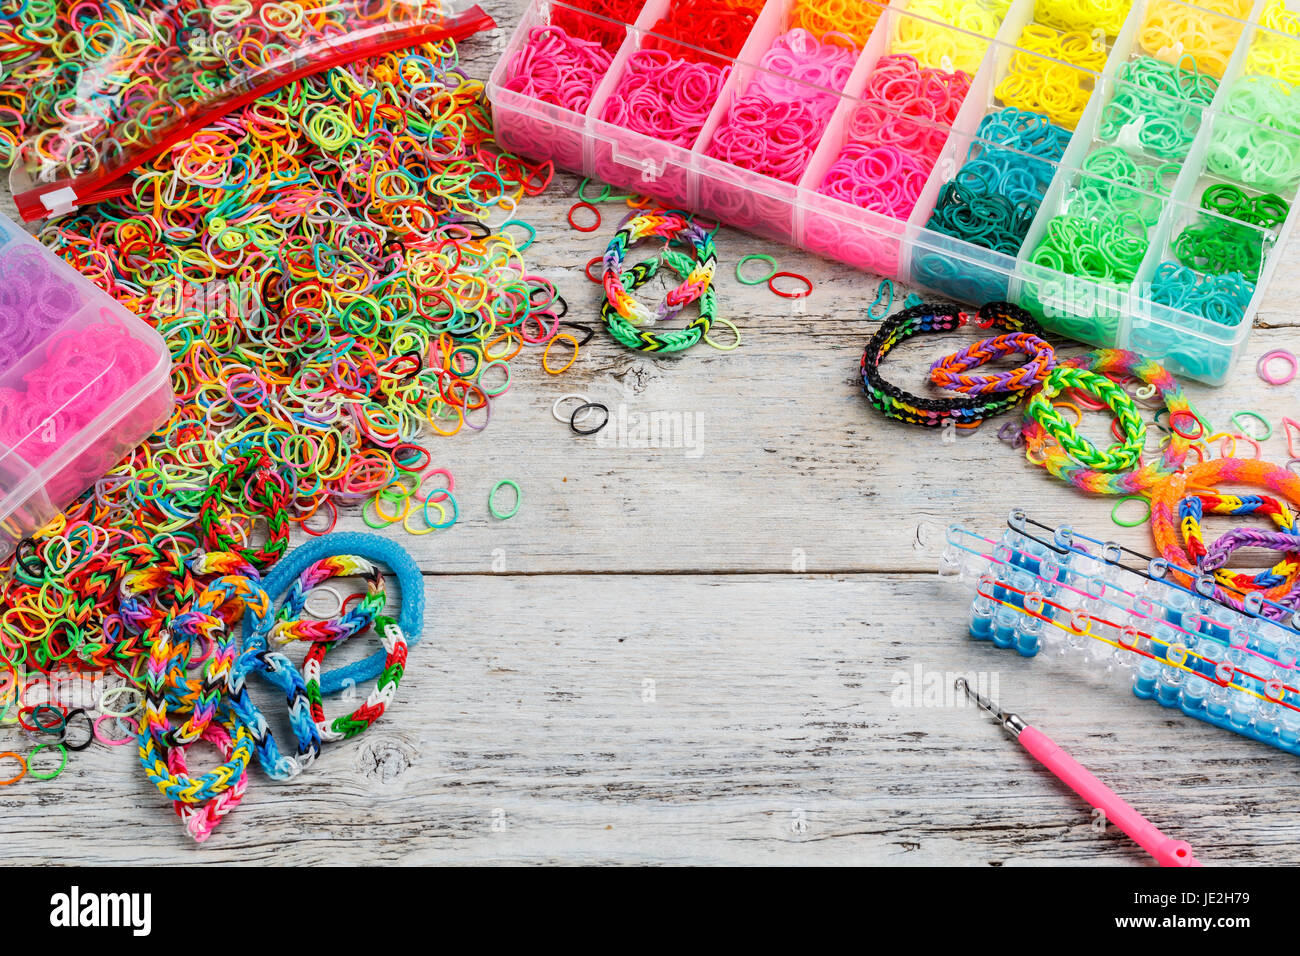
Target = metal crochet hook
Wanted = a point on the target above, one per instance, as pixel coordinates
(1166, 850)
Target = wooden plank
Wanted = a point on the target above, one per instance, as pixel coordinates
(779, 729)
(761, 719)
(772, 456)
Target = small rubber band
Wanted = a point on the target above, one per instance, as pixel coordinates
(589, 330)
(492, 497)
(555, 406)
(885, 284)
(455, 509)
(771, 284)
(546, 352)
(1261, 367)
(333, 610)
(1234, 438)
(1291, 428)
(46, 776)
(22, 765)
(125, 689)
(596, 279)
(90, 737)
(528, 226)
(381, 520)
(750, 258)
(718, 320)
(584, 205)
(1088, 403)
(1078, 414)
(1173, 424)
(1246, 432)
(1130, 523)
(109, 741)
(573, 421)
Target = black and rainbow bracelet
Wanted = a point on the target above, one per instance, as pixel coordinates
(893, 402)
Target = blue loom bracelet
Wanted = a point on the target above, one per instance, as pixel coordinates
(371, 546)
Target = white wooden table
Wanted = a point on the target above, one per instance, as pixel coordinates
(706, 653)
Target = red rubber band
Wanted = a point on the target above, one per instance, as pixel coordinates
(334, 520)
(1085, 401)
(771, 284)
(580, 205)
(424, 462)
(32, 709)
(1173, 425)
(596, 279)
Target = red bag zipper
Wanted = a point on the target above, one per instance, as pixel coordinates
(98, 186)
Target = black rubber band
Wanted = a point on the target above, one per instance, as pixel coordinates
(89, 723)
(468, 221)
(588, 431)
(27, 549)
(584, 328)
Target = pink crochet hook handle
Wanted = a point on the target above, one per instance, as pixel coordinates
(1166, 850)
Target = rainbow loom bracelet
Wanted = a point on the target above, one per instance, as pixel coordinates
(892, 402)
(1043, 412)
(1052, 456)
(410, 583)
(643, 340)
(1167, 496)
(696, 281)
(1214, 557)
(951, 371)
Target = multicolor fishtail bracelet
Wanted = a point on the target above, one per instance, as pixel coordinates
(895, 403)
(1191, 511)
(341, 728)
(1043, 447)
(410, 583)
(183, 630)
(696, 280)
(951, 371)
(277, 669)
(1166, 525)
(644, 340)
(299, 686)
(326, 635)
(168, 660)
(289, 624)
(201, 819)
(254, 481)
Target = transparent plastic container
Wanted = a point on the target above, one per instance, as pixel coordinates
(1182, 159)
(82, 382)
(153, 73)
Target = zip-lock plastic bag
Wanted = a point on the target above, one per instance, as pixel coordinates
(90, 89)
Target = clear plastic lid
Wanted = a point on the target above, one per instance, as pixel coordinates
(82, 382)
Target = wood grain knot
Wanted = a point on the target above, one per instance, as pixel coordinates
(383, 761)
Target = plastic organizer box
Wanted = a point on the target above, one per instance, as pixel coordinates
(1143, 158)
(82, 382)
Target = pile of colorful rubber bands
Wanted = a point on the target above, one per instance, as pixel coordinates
(337, 273)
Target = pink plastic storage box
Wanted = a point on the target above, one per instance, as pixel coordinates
(82, 382)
